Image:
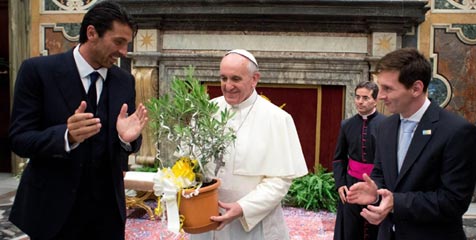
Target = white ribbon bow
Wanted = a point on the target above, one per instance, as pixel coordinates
(166, 188)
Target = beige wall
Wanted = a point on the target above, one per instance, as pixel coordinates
(41, 20)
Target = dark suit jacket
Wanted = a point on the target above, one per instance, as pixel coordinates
(47, 92)
(437, 179)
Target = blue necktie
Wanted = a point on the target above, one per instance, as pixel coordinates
(92, 95)
(407, 127)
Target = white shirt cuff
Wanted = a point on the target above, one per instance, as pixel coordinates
(67, 146)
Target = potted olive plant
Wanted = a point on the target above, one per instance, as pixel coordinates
(192, 135)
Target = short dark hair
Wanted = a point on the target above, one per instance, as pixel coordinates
(411, 65)
(370, 86)
(102, 15)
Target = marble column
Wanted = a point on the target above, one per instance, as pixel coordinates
(19, 50)
(145, 73)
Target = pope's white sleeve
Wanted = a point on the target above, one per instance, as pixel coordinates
(262, 200)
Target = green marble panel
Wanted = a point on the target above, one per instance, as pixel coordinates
(49, 5)
(438, 92)
(469, 30)
(72, 29)
(444, 4)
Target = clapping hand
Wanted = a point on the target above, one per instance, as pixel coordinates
(130, 127)
(376, 214)
(82, 125)
(363, 193)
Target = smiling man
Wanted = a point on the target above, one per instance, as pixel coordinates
(264, 159)
(74, 117)
(354, 156)
(425, 159)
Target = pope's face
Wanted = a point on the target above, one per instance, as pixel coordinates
(237, 82)
(394, 95)
(111, 46)
(364, 102)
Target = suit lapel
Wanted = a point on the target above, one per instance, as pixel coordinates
(392, 135)
(113, 93)
(69, 81)
(421, 137)
(116, 94)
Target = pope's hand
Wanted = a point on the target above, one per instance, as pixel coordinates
(130, 127)
(82, 125)
(233, 211)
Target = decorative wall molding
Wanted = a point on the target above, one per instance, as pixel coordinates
(280, 33)
(439, 89)
(58, 37)
(439, 85)
(285, 42)
(453, 6)
(146, 87)
(465, 32)
(146, 40)
(66, 6)
(284, 15)
(453, 67)
(275, 69)
(383, 43)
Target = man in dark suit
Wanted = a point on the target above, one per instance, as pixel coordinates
(77, 133)
(422, 192)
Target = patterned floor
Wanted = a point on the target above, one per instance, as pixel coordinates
(303, 225)
(7, 230)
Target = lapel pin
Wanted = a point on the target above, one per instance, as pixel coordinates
(426, 132)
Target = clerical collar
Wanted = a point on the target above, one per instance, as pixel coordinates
(368, 116)
(248, 102)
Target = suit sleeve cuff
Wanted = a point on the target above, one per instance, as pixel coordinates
(125, 145)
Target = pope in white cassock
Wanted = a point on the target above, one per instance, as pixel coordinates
(266, 155)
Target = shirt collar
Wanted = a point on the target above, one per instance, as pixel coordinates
(84, 68)
(416, 117)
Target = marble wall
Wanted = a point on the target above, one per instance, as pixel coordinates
(456, 64)
(313, 46)
(448, 38)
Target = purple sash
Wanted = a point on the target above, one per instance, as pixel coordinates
(356, 169)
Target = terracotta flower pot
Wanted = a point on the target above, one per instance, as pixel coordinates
(198, 209)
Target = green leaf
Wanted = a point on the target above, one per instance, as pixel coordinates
(187, 119)
(314, 191)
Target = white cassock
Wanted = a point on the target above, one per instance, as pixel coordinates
(259, 169)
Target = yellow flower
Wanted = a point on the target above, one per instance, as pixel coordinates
(184, 168)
